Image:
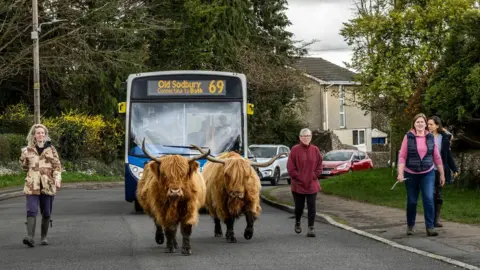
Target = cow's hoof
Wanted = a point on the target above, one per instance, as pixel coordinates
(175, 245)
(159, 238)
(170, 250)
(218, 234)
(248, 234)
(186, 251)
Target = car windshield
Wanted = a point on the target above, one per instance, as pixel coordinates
(169, 128)
(264, 152)
(337, 156)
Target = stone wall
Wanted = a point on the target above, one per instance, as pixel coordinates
(380, 148)
(467, 161)
(380, 159)
(328, 141)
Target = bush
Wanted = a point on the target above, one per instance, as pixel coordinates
(10, 146)
(16, 119)
(80, 135)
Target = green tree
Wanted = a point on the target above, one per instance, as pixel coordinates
(397, 46)
(240, 36)
(454, 90)
(82, 59)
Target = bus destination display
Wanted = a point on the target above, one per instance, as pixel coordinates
(186, 87)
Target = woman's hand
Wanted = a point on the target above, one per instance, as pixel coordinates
(442, 179)
(400, 177)
(58, 184)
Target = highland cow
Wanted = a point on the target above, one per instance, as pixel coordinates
(171, 191)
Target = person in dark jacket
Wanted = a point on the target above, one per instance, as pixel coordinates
(416, 162)
(442, 140)
(304, 166)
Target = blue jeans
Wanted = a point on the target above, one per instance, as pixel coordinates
(426, 183)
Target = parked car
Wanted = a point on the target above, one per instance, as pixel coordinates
(278, 169)
(342, 161)
(253, 158)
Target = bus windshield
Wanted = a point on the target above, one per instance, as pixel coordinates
(168, 127)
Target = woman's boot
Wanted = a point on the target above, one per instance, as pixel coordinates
(45, 223)
(437, 223)
(28, 240)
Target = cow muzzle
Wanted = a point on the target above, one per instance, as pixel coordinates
(175, 193)
(236, 194)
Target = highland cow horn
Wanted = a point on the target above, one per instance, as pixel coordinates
(211, 159)
(202, 155)
(147, 153)
(268, 163)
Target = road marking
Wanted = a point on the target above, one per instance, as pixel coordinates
(375, 237)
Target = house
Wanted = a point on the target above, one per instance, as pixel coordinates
(331, 104)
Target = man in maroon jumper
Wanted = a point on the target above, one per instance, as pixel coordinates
(305, 167)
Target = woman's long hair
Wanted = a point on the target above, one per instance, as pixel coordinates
(31, 134)
(437, 122)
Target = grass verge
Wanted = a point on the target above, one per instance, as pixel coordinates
(17, 180)
(268, 194)
(373, 186)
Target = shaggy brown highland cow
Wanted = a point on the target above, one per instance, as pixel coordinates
(233, 189)
(171, 191)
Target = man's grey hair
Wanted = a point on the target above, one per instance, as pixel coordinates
(305, 131)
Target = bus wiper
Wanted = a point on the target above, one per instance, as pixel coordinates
(184, 146)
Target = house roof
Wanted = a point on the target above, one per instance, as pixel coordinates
(378, 134)
(325, 71)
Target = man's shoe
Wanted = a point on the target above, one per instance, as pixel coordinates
(410, 230)
(298, 229)
(311, 232)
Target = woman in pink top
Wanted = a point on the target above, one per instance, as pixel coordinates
(416, 160)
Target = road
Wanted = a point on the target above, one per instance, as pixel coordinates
(97, 229)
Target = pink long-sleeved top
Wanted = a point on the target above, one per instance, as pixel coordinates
(422, 151)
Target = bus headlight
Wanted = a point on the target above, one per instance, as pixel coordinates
(136, 171)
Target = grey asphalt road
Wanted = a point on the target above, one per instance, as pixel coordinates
(97, 229)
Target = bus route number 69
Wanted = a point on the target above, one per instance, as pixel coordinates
(216, 88)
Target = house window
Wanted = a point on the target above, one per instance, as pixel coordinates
(378, 140)
(358, 137)
(342, 107)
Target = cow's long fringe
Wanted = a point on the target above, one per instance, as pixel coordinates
(174, 172)
(235, 175)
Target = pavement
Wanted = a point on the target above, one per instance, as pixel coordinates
(94, 228)
(13, 192)
(456, 243)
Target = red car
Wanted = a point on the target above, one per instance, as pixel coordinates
(341, 161)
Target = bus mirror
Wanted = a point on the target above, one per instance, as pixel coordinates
(250, 107)
(122, 107)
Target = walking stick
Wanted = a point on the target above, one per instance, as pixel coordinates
(404, 179)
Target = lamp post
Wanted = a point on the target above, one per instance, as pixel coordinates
(36, 64)
(36, 60)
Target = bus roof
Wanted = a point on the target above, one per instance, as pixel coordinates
(179, 72)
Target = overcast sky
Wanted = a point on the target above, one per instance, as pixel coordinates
(322, 20)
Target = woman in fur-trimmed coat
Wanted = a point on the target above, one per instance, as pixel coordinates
(42, 163)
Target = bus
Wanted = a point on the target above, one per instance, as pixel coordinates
(173, 109)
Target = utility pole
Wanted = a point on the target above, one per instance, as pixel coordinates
(36, 64)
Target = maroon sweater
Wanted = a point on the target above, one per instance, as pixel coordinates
(305, 167)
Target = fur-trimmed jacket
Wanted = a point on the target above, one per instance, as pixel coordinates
(42, 170)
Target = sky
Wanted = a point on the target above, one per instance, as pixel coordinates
(322, 20)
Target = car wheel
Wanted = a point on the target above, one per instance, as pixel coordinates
(276, 177)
